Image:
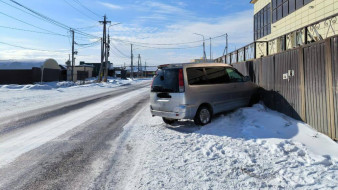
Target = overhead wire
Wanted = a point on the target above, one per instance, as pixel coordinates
(29, 24)
(52, 21)
(163, 44)
(34, 31)
(120, 51)
(78, 2)
(79, 11)
(34, 49)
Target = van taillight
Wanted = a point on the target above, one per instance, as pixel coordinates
(180, 80)
(152, 82)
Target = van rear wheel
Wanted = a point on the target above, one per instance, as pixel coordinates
(203, 116)
(168, 120)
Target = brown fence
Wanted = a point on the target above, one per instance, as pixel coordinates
(301, 83)
(334, 63)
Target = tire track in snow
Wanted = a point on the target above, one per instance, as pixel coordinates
(14, 144)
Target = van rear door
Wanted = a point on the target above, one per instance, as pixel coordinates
(165, 90)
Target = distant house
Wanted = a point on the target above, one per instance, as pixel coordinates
(81, 72)
(28, 71)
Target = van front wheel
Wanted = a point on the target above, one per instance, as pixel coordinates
(168, 120)
(203, 116)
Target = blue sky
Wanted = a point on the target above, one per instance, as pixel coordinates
(142, 22)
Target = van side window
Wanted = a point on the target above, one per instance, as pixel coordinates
(196, 76)
(216, 75)
(234, 75)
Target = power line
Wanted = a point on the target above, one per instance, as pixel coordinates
(78, 10)
(51, 21)
(28, 23)
(120, 51)
(86, 27)
(78, 2)
(21, 29)
(169, 44)
(154, 47)
(88, 43)
(22, 47)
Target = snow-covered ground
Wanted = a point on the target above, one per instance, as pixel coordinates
(251, 148)
(15, 99)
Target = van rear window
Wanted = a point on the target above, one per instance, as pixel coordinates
(165, 80)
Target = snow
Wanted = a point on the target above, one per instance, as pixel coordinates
(251, 148)
(16, 99)
(35, 135)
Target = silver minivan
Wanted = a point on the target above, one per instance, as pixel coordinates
(198, 91)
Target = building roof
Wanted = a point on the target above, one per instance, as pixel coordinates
(84, 65)
(253, 1)
(28, 64)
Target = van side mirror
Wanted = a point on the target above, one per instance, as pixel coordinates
(246, 79)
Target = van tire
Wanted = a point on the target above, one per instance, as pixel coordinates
(168, 120)
(203, 115)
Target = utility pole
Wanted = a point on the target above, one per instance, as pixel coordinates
(145, 68)
(210, 49)
(107, 63)
(139, 66)
(131, 60)
(204, 55)
(73, 52)
(104, 52)
(225, 52)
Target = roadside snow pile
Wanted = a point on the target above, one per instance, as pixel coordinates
(15, 99)
(38, 86)
(251, 148)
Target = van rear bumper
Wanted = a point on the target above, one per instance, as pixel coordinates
(171, 115)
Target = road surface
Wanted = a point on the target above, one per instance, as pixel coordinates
(57, 147)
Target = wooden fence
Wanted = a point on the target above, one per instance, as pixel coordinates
(301, 83)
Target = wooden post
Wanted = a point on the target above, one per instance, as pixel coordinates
(329, 89)
(302, 83)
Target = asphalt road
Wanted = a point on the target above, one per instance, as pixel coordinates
(57, 148)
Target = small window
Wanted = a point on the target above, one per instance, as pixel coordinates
(285, 9)
(299, 4)
(216, 75)
(196, 76)
(266, 30)
(234, 75)
(279, 12)
(274, 4)
(274, 16)
(292, 6)
(262, 19)
(279, 2)
(307, 1)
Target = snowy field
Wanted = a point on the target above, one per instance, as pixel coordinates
(15, 99)
(251, 148)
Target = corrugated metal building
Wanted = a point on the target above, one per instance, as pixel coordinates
(28, 71)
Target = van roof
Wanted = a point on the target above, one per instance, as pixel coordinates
(181, 65)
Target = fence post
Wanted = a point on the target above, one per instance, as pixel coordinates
(329, 88)
(302, 83)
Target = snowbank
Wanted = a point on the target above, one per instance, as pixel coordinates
(251, 148)
(15, 99)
